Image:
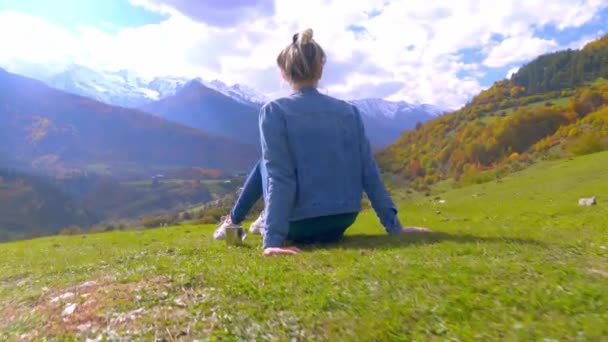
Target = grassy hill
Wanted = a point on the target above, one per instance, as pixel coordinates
(511, 260)
(554, 107)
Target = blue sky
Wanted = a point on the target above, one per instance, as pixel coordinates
(108, 15)
(423, 51)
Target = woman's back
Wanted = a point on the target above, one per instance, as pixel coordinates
(325, 143)
(316, 159)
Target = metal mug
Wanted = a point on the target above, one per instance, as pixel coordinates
(235, 235)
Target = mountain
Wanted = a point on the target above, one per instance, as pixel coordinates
(119, 88)
(201, 107)
(556, 106)
(54, 130)
(385, 121)
(127, 89)
(205, 108)
(238, 92)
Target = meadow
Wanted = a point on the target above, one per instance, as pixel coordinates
(514, 259)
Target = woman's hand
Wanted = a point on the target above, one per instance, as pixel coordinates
(272, 251)
(413, 230)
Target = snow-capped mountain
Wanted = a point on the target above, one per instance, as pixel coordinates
(386, 120)
(391, 109)
(119, 88)
(127, 89)
(239, 92)
(200, 106)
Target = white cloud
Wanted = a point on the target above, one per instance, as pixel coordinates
(580, 43)
(518, 49)
(512, 71)
(415, 43)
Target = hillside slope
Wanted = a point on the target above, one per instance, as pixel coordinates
(53, 130)
(557, 114)
(517, 260)
(32, 206)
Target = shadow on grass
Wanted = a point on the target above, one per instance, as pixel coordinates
(362, 241)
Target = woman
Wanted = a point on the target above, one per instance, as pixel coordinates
(316, 162)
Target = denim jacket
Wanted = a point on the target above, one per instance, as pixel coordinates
(317, 161)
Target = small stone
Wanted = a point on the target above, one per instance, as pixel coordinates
(587, 202)
(87, 284)
(179, 301)
(64, 296)
(69, 309)
(84, 327)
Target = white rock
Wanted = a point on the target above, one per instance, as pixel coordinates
(87, 284)
(84, 327)
(69, 309)
(64, 296)
(179, 301)
(587, 201)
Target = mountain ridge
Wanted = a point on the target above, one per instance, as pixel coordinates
(385, 119)
(128, 89)
(204, 108)
(46, 126)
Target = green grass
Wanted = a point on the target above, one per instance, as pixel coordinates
(217, 187)
(149, 182)
(515, 260)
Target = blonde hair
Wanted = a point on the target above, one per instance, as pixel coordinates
(302, 61)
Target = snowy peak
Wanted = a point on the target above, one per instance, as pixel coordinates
(375, 107)
(239, 92)
(122, 88)
(128, 89)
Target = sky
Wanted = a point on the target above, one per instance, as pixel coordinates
(440, 52)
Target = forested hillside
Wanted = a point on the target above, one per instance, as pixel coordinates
(32, 206)
(553, 107)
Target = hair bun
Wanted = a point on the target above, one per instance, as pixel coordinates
(305, 36)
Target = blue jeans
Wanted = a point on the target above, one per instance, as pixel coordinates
(318, 229)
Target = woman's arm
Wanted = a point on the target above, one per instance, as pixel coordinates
(374, 187)
(281, 184)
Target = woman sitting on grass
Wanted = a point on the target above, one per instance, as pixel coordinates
(316, 162)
